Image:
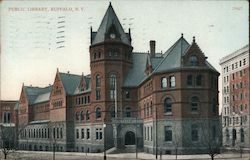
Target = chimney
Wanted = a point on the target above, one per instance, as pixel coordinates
(152, 48)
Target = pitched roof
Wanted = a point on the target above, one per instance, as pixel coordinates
(42, 97)
(70, 82)
(137, 73)
(172, 57)
(34, 92)
(108, 20)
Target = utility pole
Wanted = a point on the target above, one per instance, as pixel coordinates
(156, 137)
(104, 141)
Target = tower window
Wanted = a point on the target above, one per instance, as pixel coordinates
(198, 80)
(98, 113)
(189, 80)
(194, 104)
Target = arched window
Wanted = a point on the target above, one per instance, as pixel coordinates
(87, 115)
(127, 112)
(98, 80)
(82, 116)
(164, 82)
(194, 104)
(193, 61)
(98, 85)
(167, 105)
(242, 136)
(189, 80)
(98, 113)
(77, 116)
(95, 55)
(198, 80)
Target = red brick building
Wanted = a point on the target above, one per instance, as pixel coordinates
(147, 99)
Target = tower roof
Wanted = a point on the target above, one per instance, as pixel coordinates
(110, 20)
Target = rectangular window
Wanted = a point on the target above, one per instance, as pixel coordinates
(112, 94)
(96, 133)
(98, 94)
(172, 81)
(190, 80)
(100, 133)
(194, 133)
(163, 82)
(88, 133)
(127, 94)
(244, 61)
(77, 133)
(82, 135)
(168, 133)
(151, 133)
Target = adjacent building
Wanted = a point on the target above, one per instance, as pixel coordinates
(156, 101)
(235, 99)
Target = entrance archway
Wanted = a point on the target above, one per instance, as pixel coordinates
(130, 138)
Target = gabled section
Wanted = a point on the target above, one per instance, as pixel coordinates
(33, 93)
(84, 85)
(194, 56)
(110, 29)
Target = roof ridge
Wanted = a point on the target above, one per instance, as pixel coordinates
(70, 74)
(170, 49)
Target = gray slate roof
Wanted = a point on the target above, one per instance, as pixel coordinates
(33, 93)
(42, 97)
(108, 20)
(137, 73)
(172, 57)
(70, 82)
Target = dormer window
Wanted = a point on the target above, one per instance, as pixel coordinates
(193, 61)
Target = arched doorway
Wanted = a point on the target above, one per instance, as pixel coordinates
(130, 138)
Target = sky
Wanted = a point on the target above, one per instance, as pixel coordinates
(37, 37)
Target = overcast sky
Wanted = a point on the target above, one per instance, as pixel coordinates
(31, 50)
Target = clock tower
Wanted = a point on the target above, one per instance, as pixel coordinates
(110, 61)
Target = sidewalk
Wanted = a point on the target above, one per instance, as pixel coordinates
(144, 156)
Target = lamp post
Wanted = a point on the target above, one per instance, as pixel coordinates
(104, 141)
(136, 152)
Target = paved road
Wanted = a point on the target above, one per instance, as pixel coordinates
(29, 155)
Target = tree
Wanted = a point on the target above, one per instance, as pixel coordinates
(211, 135)
(177, 137)
(9, 136)
(7, 139)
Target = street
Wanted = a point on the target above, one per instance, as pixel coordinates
(31, 155)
